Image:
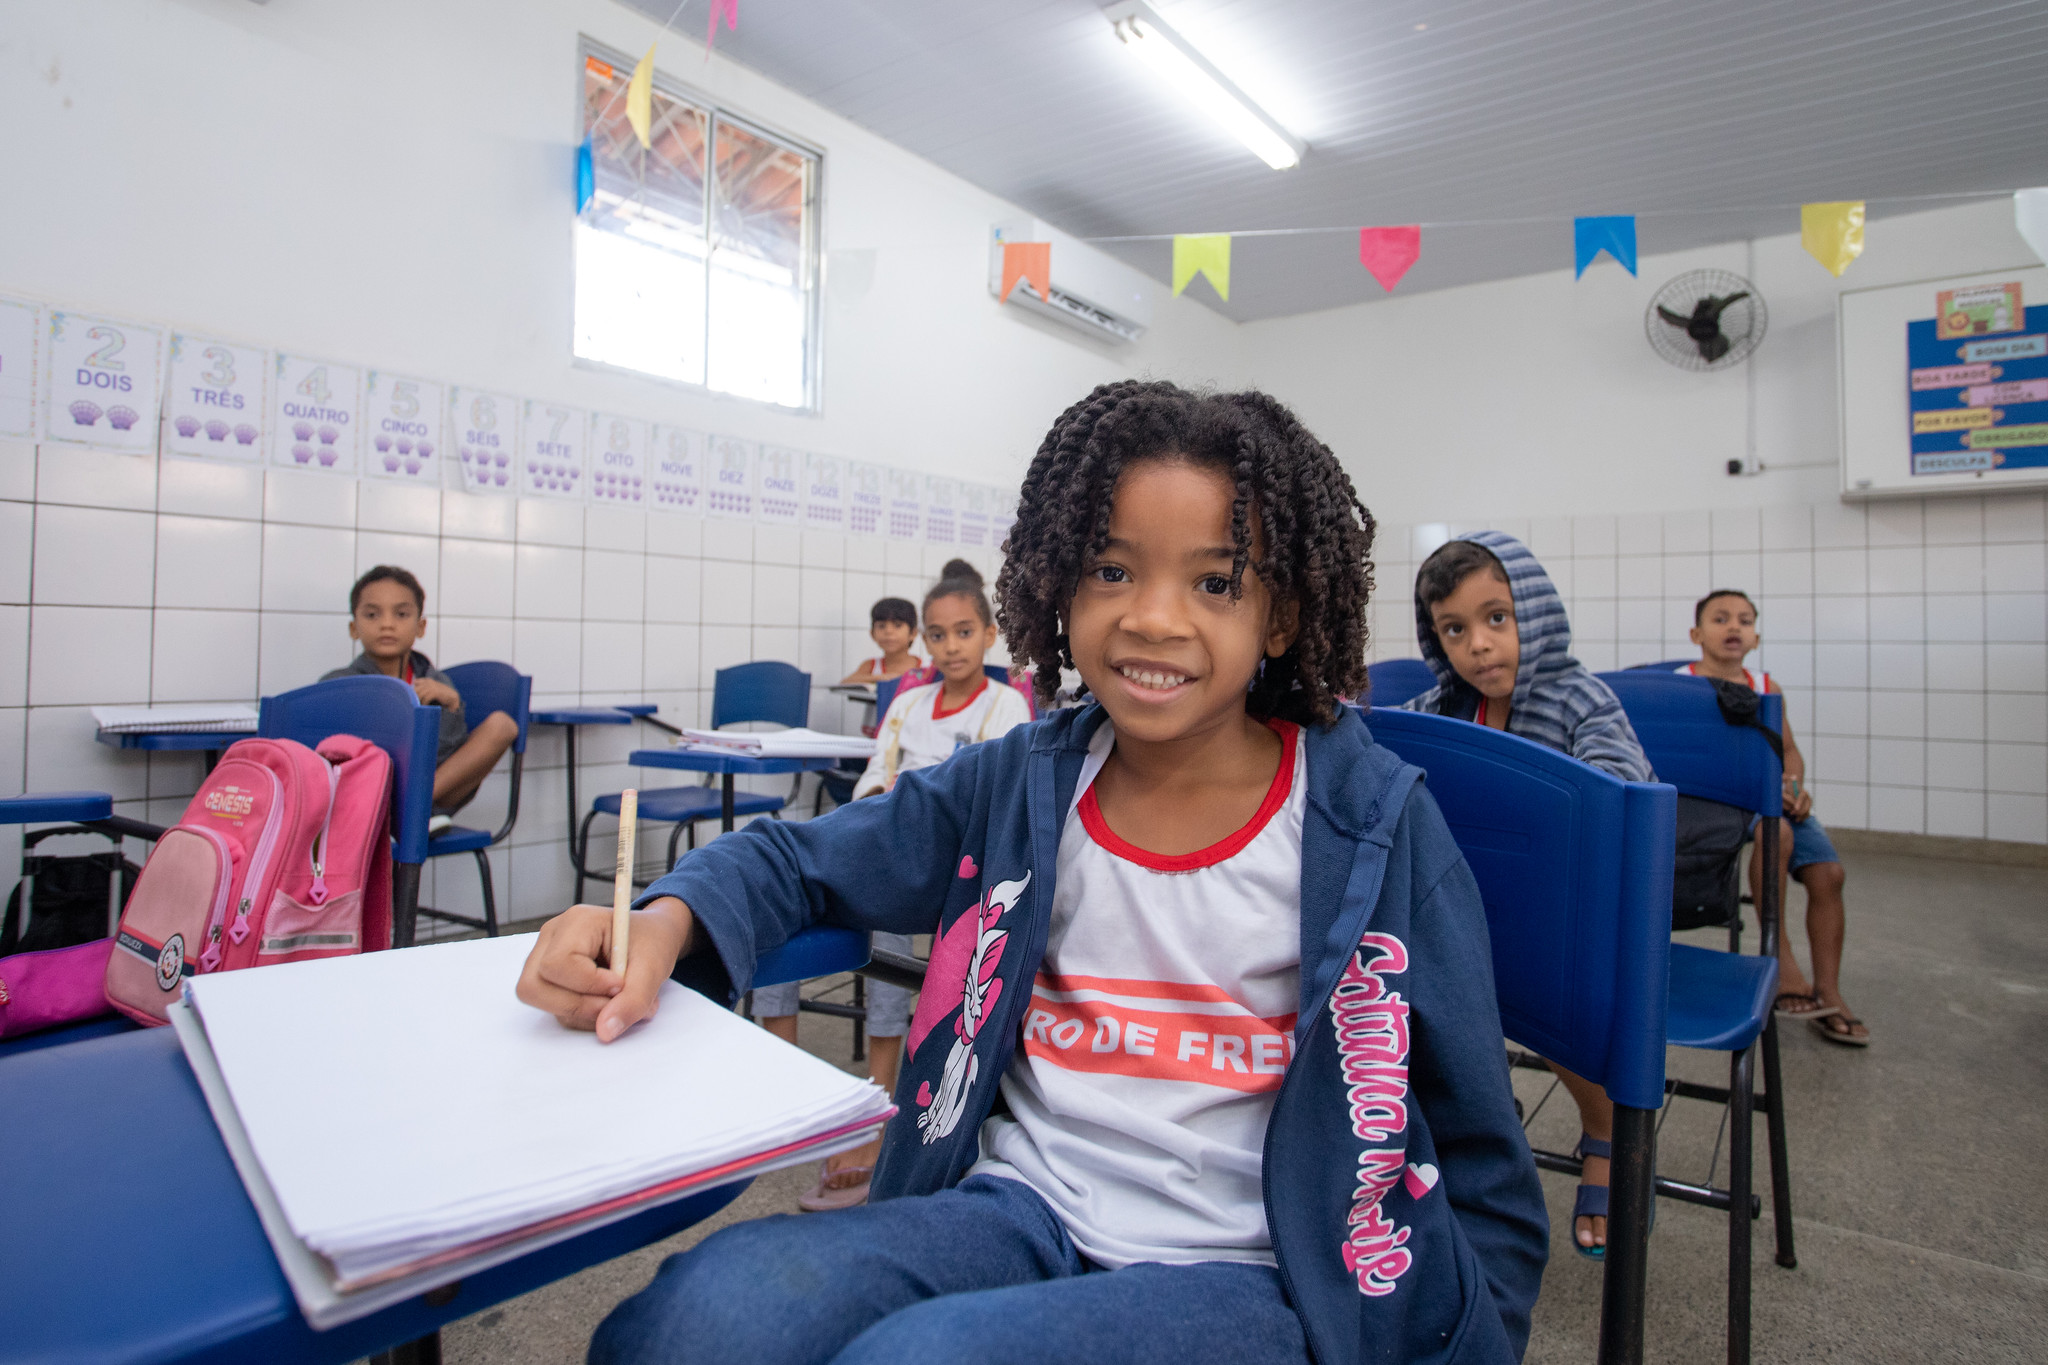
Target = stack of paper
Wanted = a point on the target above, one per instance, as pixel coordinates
(230, 718)
(798, 743)
(408, 1121)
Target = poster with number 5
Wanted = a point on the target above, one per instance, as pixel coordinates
(316, 410)
(213, 399)
(402, 420)
(105, 383)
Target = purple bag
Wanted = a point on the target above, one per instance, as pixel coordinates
(57, 986)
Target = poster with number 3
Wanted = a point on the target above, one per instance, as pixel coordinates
(316, 410)
(104, 387)
(213, 401)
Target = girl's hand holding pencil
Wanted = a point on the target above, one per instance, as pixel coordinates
(637, 951)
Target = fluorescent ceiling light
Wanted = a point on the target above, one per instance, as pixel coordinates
(1176, 59)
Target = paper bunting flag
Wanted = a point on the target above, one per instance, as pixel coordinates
(640, 96)
(1832, 233)
(1615, 235)
(1202, 255)
(586, 174)
(2030, 215)
(1030, 261)
(731, 10)
(1388, 252)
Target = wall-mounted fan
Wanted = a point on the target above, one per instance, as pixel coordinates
(1706, 320)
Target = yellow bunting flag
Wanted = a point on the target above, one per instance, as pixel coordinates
(1204, 255)
(1031, 261)
(640, 96)
(1832, 233)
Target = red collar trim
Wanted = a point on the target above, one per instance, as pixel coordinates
(938, 699)
(1276, 797)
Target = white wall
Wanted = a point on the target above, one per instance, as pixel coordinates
(388, 183)
(1909, 633)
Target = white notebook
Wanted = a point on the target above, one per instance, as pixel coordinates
(209, 718)
(401, 1119)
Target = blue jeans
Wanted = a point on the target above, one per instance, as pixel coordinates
(981, 1273)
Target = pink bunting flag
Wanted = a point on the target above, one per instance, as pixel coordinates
(731, 10)
(1388, 251)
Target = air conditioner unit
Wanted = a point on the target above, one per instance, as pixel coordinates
(1090, 292)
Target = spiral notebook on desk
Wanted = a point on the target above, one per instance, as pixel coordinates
(400, 1120)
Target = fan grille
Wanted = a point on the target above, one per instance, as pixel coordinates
(1742, 322)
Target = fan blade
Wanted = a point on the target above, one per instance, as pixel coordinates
(1673, 318)
(1717, 306)
(1714, 347)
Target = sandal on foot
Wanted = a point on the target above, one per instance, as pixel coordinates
(1591, 1200)
(1802, 1005)
(1840, 1027)
(829, 1193)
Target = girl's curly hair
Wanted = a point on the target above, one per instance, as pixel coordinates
(1316, 535)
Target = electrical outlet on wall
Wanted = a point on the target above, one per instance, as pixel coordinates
(1749, 465)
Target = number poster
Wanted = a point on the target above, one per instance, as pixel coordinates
(866, 497)
(618, 460)
(214, 399)
(403, 418)
(780, 481)
(551, 460)
(972, 518)
(103, 386)
(906, 505)
(729, 492)
(315, 414)
(484, 428)
(825, 492)
(677, 480)
(21, 343)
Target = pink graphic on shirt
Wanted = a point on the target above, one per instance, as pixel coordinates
(1372, 1050)
(962, 974)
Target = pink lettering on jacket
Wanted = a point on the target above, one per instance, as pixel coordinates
(1372, 1051)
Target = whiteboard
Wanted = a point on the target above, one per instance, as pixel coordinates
(1876, 423)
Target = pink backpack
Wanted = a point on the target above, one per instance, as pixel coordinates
(282, 855)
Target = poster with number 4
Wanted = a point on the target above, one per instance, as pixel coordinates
(403, 419)
(316, 410)
(214, 399)
(104, 382)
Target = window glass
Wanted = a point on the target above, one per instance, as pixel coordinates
(695, 268)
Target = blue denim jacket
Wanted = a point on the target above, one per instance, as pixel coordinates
(1400, 1193)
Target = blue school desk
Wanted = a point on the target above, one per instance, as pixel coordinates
(208, 742)
(728, 765)
(131, 1238)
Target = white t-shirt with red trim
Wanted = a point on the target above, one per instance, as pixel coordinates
(1758, 683)
(1161, 1025)
(919, 731)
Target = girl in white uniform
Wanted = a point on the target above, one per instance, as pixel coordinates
(925, 724)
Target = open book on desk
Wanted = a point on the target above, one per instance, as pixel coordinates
(400, 1120)
(797, 743)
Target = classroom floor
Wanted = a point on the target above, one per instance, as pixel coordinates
(1922, 1227)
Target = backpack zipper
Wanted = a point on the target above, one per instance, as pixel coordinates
(260, 863)
(318, 895)
(209, 957)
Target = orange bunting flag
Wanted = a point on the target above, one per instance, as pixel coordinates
(1030, 261)
(1388, 252)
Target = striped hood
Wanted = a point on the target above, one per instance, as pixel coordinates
(1557, 701)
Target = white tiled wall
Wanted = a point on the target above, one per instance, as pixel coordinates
(1911, 638)
(126, 580)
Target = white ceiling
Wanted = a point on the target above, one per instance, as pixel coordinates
(1707, 117)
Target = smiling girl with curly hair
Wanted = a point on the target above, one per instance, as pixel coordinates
(1206, 1065)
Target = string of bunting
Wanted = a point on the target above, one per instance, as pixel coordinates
(1832, 233)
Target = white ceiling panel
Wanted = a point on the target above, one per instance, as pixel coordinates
(1706, 117)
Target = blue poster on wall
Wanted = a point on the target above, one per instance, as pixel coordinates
(1977, 375)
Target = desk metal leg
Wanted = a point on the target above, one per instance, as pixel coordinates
(575, 843)
(1631, 1176)
(725, 806)
(405, 903)
(212, 758)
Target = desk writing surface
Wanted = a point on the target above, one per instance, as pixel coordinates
(134, 1189)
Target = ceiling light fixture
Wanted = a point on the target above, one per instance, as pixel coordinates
(1176, 59)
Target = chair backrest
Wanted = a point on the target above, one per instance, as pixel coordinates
(885, 693)
(768, 692)
(1662, 665)
(1680, 725)
(388, 714)
(1574, 868)
(1396, 680)
(487, 686)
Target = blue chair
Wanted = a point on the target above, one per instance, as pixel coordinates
(1722, 1001)
(388, 714)
(486, 687)
(1397, 680)
(1661, 665)
(885, 692)
(766, 693)
(1574, 868)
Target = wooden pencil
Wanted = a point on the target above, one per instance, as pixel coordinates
(622, 879)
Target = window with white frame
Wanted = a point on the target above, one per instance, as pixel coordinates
(697, 255)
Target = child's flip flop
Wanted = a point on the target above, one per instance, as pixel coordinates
(827, 1195)
(1839, 1027)
(1591, 1200)
(1802, 1005)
